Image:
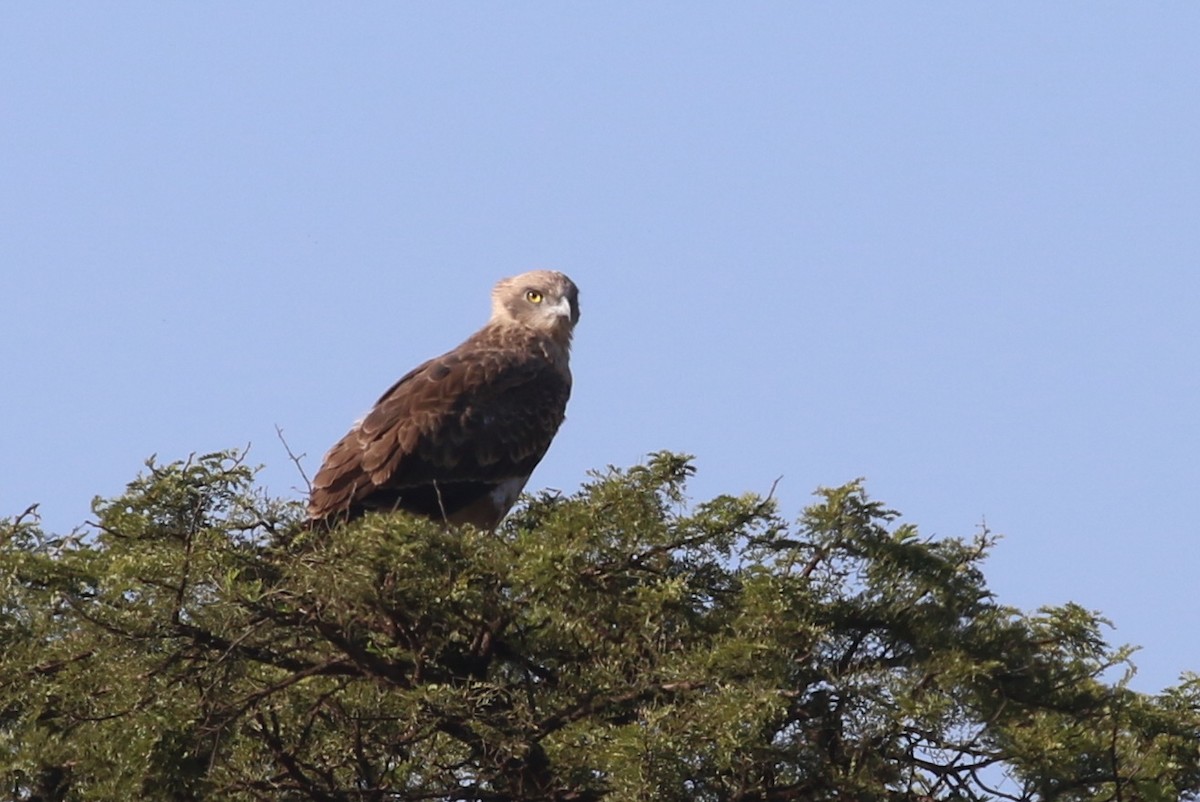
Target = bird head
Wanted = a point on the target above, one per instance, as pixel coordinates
(540, 299)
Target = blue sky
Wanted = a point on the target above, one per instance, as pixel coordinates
(950, 247)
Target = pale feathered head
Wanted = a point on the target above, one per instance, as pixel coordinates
(541, 299)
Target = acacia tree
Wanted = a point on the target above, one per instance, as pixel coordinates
(196, 643)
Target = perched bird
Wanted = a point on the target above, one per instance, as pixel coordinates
(456, 438)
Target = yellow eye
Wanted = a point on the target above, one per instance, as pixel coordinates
(533, 296)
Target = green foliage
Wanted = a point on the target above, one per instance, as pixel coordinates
(197, 643)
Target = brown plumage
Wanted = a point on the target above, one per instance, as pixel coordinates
(457, 437)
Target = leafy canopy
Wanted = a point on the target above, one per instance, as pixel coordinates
(197, 643)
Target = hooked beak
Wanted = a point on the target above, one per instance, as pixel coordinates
(562, 309)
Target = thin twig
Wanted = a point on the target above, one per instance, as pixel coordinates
(441, 506)
(30, 512)
(295, 460)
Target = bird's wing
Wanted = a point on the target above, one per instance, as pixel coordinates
(474, 414)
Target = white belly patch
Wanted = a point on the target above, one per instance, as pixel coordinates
(506, 493)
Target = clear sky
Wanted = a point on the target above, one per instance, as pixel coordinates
(951, 247)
